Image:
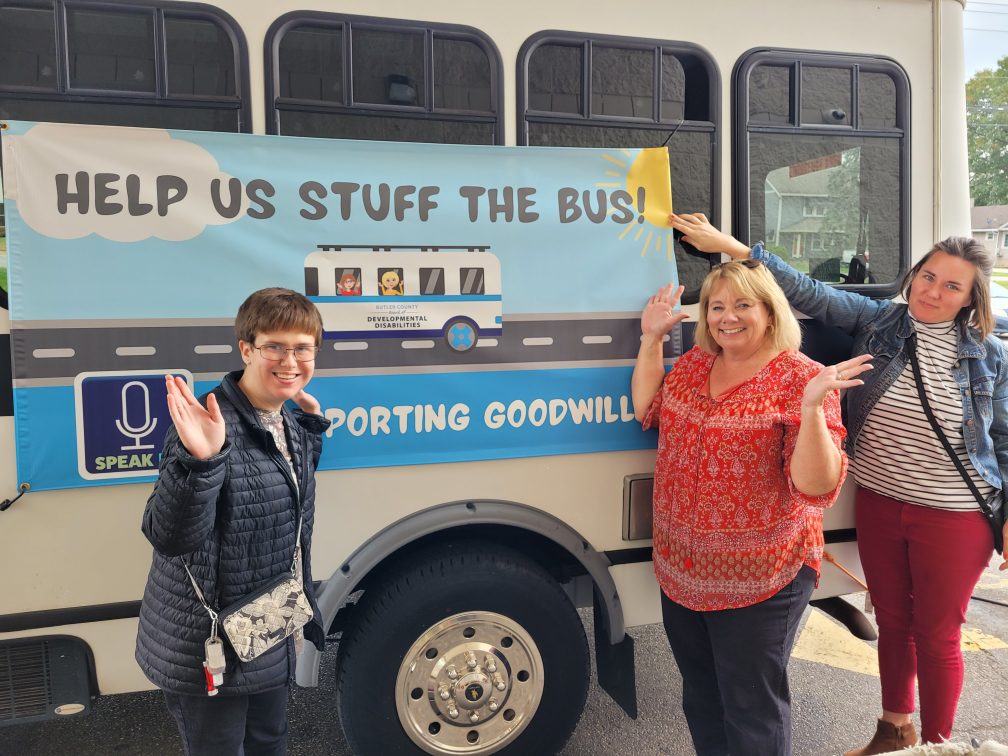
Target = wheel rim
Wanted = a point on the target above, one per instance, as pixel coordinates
(469, 684)
(461, 336)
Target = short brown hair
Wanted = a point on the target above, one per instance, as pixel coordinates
(978, 313)
(754, 282)
(276, 309)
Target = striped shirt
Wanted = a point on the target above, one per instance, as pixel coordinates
(898, 453)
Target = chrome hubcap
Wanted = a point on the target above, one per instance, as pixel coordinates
(469, 685)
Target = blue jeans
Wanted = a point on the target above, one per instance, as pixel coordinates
(252, 725)
(734, 669)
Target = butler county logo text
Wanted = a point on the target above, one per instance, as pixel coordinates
(122, 419)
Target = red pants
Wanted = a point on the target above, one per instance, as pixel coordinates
(921, 565)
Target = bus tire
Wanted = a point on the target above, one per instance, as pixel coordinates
(461, 334)
(470, 649)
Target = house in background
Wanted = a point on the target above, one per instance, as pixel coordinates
(990, 228)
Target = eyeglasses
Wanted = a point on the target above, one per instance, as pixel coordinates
(746, 263)
(276, 352)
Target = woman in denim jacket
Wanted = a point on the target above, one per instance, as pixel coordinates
(914, 509)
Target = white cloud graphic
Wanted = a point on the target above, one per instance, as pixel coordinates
(33, 160)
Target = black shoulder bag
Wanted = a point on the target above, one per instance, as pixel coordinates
(993, 506)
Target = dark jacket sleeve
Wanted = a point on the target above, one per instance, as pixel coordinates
(182, 507)
(845, 310)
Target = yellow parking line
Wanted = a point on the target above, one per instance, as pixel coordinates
(827, 642)
(992, 583)
(977, 640)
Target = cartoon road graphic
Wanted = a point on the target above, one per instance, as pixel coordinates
(209, 348)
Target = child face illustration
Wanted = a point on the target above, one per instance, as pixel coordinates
(348, 282)
(390, 280)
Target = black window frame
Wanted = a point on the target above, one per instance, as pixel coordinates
(795, 59)
(160, 97)
(160, 10)
(695, 60)
(346, 23)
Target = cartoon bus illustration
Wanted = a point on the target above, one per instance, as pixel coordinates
(366, 292)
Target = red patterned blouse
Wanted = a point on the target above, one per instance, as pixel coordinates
(730, 528)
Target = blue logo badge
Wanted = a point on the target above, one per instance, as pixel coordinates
(122, 418)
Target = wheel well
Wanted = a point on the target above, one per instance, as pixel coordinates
(548, 554)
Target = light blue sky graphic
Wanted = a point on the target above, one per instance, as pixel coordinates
(547, 266)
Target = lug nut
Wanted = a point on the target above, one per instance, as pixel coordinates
(493, 705)
(474, 717)
(470, 658)
(444, 693)
(499, 682)
(452, 672)
(490, 664)
(453, 712)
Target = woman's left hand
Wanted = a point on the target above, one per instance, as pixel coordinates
(843, 375)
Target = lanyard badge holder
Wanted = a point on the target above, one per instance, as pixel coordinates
(213, 666)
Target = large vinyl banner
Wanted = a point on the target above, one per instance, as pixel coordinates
(478, 302)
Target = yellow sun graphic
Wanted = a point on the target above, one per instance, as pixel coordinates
(645, 175)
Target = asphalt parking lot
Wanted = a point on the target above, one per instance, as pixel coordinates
(834, 690)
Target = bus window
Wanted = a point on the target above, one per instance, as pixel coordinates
(106, 69)
(390, 282)
(604, 91)
(822, 174)
(348, 282)
(408, 81)
(471, 281)
(432, 281)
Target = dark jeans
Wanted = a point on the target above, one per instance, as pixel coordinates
(734, 669)
(252, 725)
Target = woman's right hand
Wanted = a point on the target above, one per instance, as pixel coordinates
(659, 315)
(699, 232)
(200, 430)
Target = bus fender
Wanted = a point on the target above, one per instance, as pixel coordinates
(333, 592)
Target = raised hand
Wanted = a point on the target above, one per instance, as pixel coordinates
(843, 375)
(659, 315)
(200, 430)
(307, 403)
(698, 231)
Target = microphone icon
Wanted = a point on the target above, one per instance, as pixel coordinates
(146, 425)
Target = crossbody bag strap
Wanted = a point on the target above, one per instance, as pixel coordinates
(199, 593)
(912, 351)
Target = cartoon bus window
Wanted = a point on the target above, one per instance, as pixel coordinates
(432, 281)
(471, 281)
(348, 282)
(390, 282)
(311, 288)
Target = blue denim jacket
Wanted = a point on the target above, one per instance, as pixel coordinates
(880, 328)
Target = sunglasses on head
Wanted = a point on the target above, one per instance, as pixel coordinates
(747, 263)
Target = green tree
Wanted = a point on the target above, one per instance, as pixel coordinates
(987, 134)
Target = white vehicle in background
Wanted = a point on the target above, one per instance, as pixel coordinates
(509, 547)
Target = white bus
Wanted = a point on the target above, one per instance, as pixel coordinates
(395, 292)
(831, 124)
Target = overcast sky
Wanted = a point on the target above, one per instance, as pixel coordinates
(986, 33)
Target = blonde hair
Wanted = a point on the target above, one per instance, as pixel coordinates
(747, 278)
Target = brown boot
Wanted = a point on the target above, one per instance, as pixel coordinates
(888, 737)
